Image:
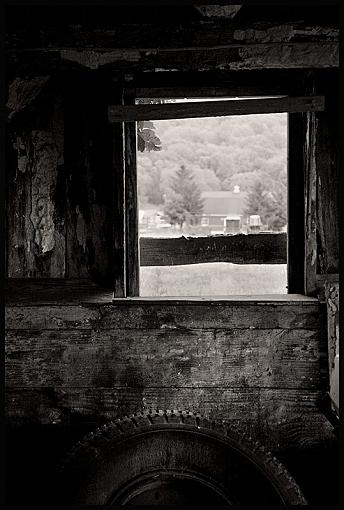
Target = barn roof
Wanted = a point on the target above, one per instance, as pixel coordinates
(224, 202)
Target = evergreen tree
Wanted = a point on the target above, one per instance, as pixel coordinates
(270, 204)
(184, 203)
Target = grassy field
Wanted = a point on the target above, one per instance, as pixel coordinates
(218, 278)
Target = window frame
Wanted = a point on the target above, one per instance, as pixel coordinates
(299, 176)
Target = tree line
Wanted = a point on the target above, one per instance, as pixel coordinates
(178, 159)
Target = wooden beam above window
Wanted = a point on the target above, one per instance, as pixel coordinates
(129, 113)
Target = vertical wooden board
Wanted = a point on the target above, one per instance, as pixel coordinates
(100, 179)
(77, 194)
(332, 301)
(20, 259)
(310, 206)
(131, 202)
(328, 187)
(89, 166)
(296, 204)
(119, 206)
(36, 220)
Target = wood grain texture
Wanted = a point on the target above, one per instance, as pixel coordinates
(327, 168)
(148, 36)
(35, 306)
(296, 203)
(236, 249)
(119, 209)
(258, 56)
(218, 83)
(322, 280)
(36, 190)
(89, 167)
(281, 419)
(310, 206)
(63, 291)
(262, 365)
(132, 260)
(129, 113)
(332, 298)
(133, 357)
(89, 176)
(168, 315)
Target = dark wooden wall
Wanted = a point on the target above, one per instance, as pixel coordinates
(74, 366)
(89, 180)
(261, 365)
(59, 182)
(71, 367)
(60, 178)
(35, 189)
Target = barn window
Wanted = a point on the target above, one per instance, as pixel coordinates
(259, 248)
(205, 180)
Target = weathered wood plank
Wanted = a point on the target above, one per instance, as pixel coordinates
(88, 158)
(237, 249)
(36, 190)
(118, 222)
(171, 315)
(296, 203)
(327, 168)
(332, 298)
(129, 113)
(132, 263)
(147, 37)
(281, 419)
(293, 358)
(254, 57)
(62, 291)
(310, 220)
(317, 55)
(322, 280)
(243, 83)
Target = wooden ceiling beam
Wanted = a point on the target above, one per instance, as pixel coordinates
(150, 37)
(253, 57)
(129, 113)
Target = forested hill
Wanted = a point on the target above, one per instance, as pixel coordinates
(221, 152)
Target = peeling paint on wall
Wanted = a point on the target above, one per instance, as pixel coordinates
(23, 91)
(284, 33)
(20, 145)
(94, 59)
(80, 228)
(44, 175)
(280, 33)
(332, 299)
(283, 55)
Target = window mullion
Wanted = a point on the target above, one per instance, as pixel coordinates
(132, 263)
(118, 220)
